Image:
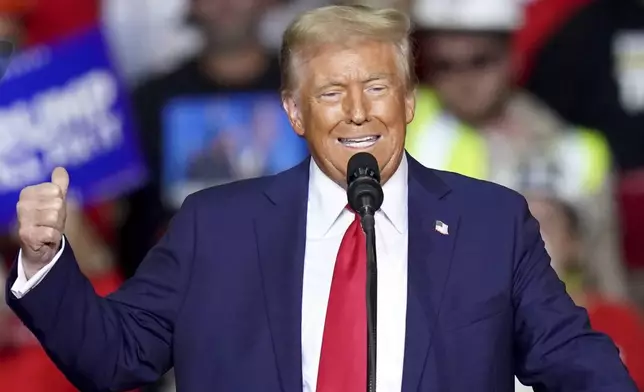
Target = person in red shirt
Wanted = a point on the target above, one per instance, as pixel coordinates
(621, 321)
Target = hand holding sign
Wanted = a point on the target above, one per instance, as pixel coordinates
(42, 211)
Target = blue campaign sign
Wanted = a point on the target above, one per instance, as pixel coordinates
(64, 105)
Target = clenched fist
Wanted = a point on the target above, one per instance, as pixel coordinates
(42, 210)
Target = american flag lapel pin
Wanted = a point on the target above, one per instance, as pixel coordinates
(441, 227)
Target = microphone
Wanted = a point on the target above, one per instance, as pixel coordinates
(365, 197)
(364, 192)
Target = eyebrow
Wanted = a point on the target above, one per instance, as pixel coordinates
(370, 78)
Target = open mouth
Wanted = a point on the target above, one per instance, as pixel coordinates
(359, 142)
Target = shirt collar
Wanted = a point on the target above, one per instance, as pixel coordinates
(394, 204)
(327, 200)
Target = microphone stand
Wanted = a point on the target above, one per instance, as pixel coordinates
(368, 225)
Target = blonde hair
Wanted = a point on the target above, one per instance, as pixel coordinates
(340, 24)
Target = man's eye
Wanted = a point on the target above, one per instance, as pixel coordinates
(330, 94)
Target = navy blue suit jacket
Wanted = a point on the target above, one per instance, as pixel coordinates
(219, 298)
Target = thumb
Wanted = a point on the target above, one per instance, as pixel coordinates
(60, 177)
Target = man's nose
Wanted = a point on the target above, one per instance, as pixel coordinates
(356, 106)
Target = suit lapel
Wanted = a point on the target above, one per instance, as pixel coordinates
(429, 259)
(281, 239)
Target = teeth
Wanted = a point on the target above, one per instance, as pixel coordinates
(358, 140)
(362, 142)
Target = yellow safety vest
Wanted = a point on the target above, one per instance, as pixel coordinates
(465, 151)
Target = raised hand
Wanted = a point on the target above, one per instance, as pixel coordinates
(42, 211)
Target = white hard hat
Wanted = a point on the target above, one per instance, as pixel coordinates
(474, 15)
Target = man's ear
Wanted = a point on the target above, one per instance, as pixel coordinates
(410, 105)
(293, 111)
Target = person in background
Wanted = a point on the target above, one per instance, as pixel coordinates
(590, 71)
(472, 119)
(232, 60)
(562, 233)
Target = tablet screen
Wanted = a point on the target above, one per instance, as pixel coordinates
(219, 139)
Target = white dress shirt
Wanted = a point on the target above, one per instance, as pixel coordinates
(327, 222)
(518, 387)
(22, 286)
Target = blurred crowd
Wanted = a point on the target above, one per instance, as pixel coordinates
(541, 96)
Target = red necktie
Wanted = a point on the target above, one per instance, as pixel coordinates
(343, 360)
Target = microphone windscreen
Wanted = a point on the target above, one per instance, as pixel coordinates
(362, 164)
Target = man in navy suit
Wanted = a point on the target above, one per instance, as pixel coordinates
(248, 290)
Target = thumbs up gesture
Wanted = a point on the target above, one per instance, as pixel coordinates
(42, 211)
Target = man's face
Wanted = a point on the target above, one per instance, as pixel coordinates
(470, 72)
(348, 99)
(228, 22)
